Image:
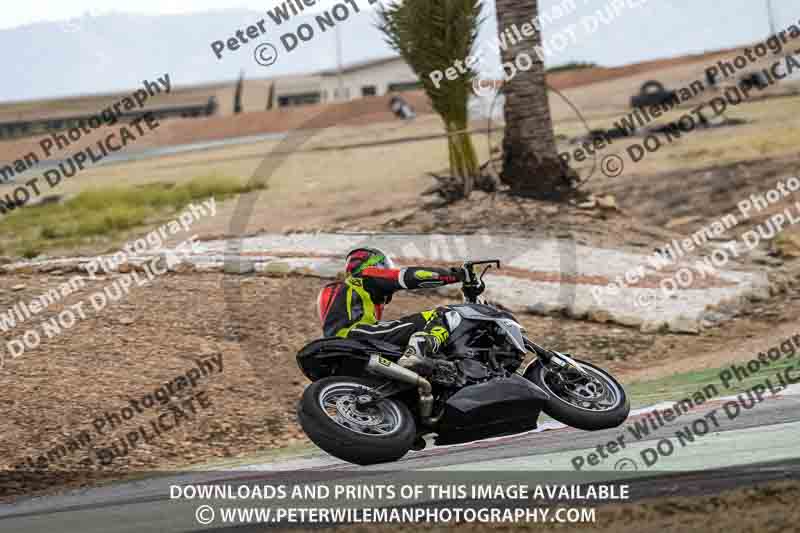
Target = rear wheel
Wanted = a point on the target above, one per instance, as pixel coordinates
(333, 419)
(590, 400)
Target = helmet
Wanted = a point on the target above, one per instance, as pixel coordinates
(361, 258)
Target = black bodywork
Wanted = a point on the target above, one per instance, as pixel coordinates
(487, 399)
(499, 406)
(335, 356)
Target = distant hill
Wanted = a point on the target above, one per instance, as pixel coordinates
(115, 52)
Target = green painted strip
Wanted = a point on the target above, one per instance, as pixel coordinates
(712, 450)
(679, 386)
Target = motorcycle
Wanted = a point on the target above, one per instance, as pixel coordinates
(365, 408)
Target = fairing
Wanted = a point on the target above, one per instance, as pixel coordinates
(495, 407)
(503, 319)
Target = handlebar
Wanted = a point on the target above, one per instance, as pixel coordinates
(468, 267)
(473, 285)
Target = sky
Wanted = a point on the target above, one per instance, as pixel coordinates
(20, 13)
(30, 11)
(53, 49)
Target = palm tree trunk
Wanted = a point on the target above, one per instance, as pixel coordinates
(531, 166)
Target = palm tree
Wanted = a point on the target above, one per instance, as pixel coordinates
(433, 35)
(531, 166)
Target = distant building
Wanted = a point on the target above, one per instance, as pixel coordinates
(362, 80)
(49, 124)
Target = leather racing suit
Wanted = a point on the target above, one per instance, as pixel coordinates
(353, 308)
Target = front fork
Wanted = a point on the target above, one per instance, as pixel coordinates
(555, 361)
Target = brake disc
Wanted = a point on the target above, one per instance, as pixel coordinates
(346, 407)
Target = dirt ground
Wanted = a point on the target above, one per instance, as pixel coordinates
(55, 392)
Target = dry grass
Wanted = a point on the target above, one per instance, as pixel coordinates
(316, 188)
(772, 130)
(104, 216)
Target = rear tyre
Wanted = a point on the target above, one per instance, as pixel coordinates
(591, 403)
(333, 420)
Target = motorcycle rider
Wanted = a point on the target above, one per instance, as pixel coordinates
(352, 308)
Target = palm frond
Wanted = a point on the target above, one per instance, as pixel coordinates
(437, 35)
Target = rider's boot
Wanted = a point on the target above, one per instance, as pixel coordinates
(417, 356)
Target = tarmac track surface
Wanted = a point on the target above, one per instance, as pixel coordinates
(754, 446)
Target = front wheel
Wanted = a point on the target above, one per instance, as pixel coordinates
(332, 418)
(592, 401)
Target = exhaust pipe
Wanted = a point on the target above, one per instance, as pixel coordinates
(384, 367)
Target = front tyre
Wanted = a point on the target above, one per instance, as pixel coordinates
(590, 401)
(332, 418)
